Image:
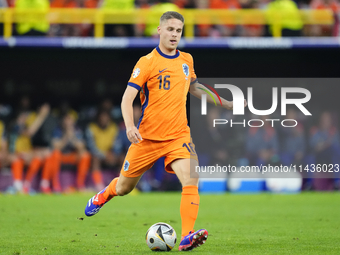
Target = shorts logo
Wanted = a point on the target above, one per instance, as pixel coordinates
(126, 165)
(185, 69)
(136, 72)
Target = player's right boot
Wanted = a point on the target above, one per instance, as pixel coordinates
(193, 240)
(95, 204)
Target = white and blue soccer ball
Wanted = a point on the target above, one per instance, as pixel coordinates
(161, 237)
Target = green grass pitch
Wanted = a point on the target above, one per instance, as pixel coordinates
(305, 223)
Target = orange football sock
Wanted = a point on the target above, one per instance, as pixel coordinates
(83, 168)
(110, 191)
(33, 169)
(189, 208)
(17, 167)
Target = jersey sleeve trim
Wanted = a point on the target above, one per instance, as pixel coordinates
(145, 104)
(134, 85)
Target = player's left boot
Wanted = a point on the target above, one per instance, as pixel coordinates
(193, 240)
(95, 204)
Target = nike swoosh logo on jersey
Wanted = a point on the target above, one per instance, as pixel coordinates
(194, 203)
(162, 70)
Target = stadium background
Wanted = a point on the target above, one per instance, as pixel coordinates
(48, 71)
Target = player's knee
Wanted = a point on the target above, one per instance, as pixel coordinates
(122, 191)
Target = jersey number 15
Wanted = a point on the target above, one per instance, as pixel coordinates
(165, 82)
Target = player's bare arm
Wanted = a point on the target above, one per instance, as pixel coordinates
(195, 91)
(132, 132)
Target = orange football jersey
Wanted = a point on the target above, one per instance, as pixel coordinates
(164, 82)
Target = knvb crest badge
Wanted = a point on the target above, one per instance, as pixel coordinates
(126, 165)
(185, 69)
(136, 72)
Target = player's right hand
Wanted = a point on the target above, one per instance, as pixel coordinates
(133, 134)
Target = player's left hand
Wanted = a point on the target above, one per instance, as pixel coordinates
(133, 135)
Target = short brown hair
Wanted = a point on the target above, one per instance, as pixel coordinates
(172, 15)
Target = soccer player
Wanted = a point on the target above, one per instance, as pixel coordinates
(165, 76)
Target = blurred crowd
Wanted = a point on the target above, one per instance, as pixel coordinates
(40, 143)
(313, 142)
(291, 27)
(44, 140)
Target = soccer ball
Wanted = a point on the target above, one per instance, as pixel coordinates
(161, 237)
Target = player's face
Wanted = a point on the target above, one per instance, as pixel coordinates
(170, 32)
